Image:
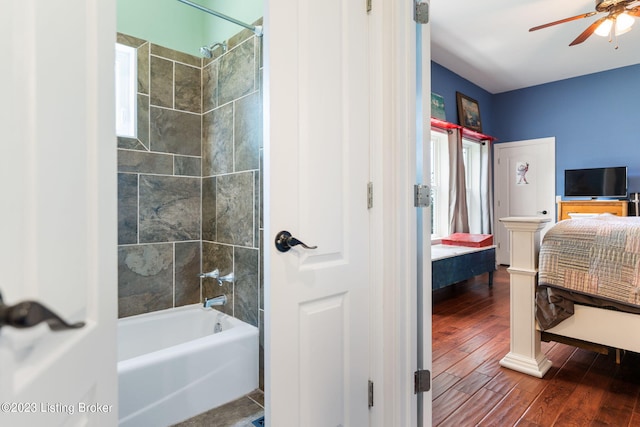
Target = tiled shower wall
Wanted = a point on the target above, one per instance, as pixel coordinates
(189, 186)
(160, 185)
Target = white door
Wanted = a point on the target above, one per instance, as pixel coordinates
(316, 175)
(525, 185)
(58, 223)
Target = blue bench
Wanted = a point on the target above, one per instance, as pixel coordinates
(453, 264)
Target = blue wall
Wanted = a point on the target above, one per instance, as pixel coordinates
(447, 83)
(594, 118)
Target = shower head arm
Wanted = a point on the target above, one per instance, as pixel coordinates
(207, 51)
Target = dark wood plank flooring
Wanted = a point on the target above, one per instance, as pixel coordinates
(471, 335)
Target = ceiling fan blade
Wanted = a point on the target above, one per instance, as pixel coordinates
(587, 33)
(562, 21)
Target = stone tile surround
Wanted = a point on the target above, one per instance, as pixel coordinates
(160, 185)
(189, 185)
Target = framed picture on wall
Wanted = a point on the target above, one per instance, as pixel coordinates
(468, 112)
(437, 107)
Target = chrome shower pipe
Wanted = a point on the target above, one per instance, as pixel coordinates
(207, 51)
(257, 29)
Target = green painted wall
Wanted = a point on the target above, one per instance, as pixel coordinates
(181, 27)
(164, 22)
(247, 11)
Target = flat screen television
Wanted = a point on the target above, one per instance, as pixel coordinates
(596, 182)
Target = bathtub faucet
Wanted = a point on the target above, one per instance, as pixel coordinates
(213, 274)
(228, 278)
(219, 300)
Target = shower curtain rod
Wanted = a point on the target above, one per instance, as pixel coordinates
(257, 29)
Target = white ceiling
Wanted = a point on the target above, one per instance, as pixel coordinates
(488, 42)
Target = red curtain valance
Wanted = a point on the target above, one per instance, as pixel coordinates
(466, 133)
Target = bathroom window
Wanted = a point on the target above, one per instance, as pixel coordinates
(126, 87)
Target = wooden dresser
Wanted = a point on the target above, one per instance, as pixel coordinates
(615, 207)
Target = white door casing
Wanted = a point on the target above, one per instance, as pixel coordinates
(393, 241)
(59, 217)
(316, 174)
(424, 282)
(522, 190)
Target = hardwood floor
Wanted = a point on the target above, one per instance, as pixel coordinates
(471, 335)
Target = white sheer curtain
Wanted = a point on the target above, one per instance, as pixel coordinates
(458, 210)
(486, 189)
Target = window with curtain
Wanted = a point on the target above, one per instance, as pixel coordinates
(471, 154)
(439, 185)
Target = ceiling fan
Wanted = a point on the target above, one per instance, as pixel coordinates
(619, 19)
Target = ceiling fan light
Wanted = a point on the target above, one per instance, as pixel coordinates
(604, 29)
(624, 22)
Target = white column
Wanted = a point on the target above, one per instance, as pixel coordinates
(524, 241)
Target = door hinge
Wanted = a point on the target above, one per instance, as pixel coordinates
(422, 381)
(369, 6)
(370, 394)
(422, 196)
(370, 195)
(421, 12)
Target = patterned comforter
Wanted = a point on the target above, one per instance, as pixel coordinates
(594, 261)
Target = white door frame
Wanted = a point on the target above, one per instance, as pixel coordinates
(424, 318)
(394, 252)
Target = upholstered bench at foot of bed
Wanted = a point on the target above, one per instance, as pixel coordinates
(451, 264)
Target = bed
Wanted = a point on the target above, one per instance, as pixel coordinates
(589, 286)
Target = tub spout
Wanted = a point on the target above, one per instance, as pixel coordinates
(213, 274)
(219, 300)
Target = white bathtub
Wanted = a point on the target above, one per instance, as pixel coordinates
(172, 366)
